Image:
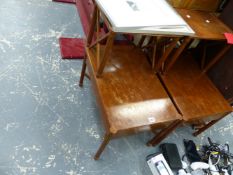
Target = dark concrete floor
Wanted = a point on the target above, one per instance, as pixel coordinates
(48, 125)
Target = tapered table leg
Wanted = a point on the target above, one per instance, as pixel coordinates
(106, 140)
(164, 133)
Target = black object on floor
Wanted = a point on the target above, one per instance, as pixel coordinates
(191, 151)
(171, 155)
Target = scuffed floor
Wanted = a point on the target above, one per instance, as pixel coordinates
(48, 125)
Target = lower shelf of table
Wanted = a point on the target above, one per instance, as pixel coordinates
(192, 91)
(129, 93)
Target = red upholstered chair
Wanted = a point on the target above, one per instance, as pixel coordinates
(85, 10)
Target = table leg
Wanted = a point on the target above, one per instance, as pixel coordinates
(166, 54)
(207, 126)
(84, 66)
(164, 133)
(140, 43)
(107, 50)
(203, 56)
(154, 55)
(106, 140)
(101, 38)
(216, 58)
(177, 54)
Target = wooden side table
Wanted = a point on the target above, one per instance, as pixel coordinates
(194, 94)
(130, 96)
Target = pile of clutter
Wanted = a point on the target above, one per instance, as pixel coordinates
(210, 159)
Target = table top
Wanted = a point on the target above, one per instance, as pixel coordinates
(206, 25)
(193, 92)
(174, 25)
(130, 94)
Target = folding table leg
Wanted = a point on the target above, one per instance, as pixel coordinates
(154, 54)
(166, 54)
(141, 41)
(106, 140)
(164, 133)
(108, 48)
(177, 53)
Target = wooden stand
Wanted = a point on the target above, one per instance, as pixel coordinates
(130, 96)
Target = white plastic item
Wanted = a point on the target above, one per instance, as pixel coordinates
(225, 172)
(213, 169)
(199, 165)
(184, 164)
(182, 172)
(158, 165)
